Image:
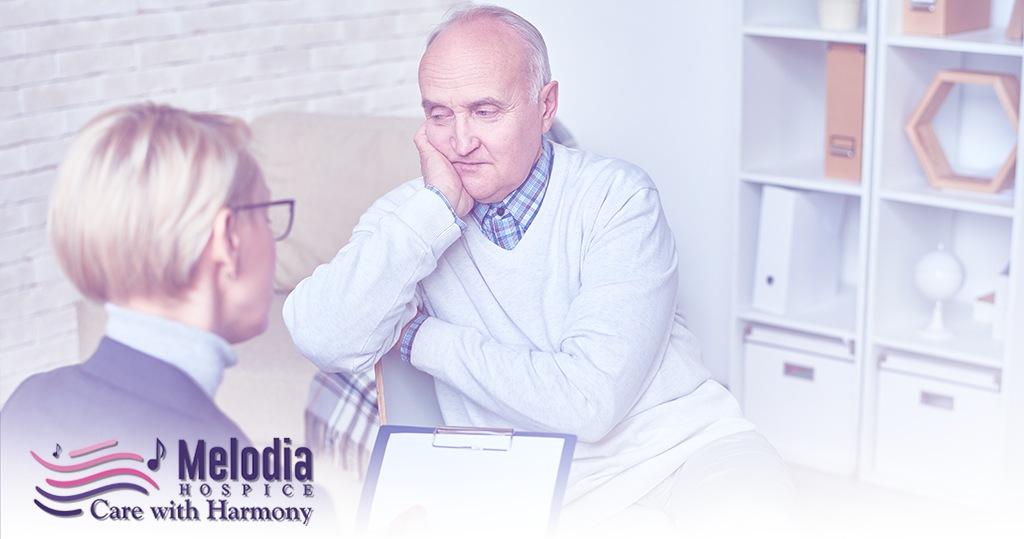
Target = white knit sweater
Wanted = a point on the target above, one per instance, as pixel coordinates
(575, 330)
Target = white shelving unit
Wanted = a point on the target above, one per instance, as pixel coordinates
(814, 422)
(849, 385)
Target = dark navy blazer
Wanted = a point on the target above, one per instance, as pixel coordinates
(118, 394)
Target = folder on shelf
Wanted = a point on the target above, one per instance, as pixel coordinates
(798, 247)
(844, 114)
(462, 482)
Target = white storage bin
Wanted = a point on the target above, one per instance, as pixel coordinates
(938, 428)
(801, 392)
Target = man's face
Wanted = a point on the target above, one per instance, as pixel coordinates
(480, 110)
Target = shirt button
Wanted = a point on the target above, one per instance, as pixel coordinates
(501, 211)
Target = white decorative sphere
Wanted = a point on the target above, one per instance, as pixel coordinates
(939, 275)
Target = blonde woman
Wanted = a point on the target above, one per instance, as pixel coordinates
(163, 215)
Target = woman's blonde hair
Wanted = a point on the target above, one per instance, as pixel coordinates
(135, 198)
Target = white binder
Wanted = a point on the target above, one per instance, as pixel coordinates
(798, 246)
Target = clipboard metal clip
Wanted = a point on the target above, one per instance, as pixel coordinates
(473, 438)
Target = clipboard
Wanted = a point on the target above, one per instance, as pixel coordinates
(464, 482)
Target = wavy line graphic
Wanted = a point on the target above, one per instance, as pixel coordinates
(92, 448)
(58, 512)
(86, 464)
(93, 492)
(101, 475)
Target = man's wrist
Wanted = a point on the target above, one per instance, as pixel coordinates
(455, 215)
(405, 348)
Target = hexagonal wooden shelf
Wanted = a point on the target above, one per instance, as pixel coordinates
(926, 143)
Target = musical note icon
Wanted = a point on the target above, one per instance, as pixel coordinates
(161, 452)
(56, 454)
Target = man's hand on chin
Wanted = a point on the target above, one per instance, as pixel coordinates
(438, 171)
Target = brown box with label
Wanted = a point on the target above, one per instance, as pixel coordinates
(844, 110)
(943, 17)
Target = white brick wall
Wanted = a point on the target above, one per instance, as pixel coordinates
(63, 61)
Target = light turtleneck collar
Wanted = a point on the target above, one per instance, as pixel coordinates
(202, 355)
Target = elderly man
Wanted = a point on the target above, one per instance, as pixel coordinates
(537, 285)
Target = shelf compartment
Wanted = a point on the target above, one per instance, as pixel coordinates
(971, 125)
(991, 40)
(783, 125)
(980, 242)
(835, 315)
(795, 16)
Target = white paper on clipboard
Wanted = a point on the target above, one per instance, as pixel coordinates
(465, 482)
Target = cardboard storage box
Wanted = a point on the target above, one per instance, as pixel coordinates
(943, 17)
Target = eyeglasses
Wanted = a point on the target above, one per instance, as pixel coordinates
(279, 215)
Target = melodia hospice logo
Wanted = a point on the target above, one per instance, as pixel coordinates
(232, 483)
(91, 471)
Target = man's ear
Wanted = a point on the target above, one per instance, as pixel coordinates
(225, 243)
(549, 100)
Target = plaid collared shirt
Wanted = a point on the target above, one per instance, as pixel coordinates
(505, 222)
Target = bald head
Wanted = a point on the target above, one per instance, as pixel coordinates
(518, 37)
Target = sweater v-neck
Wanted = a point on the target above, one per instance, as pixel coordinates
(479, 245)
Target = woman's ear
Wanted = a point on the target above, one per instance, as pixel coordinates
(225, 243)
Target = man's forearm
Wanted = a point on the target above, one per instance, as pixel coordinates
(584, 389)
(350, 311)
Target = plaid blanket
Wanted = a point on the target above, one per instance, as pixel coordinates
(341, 418)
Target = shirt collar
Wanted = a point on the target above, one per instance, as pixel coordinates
(202, 355)
(524, 202)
